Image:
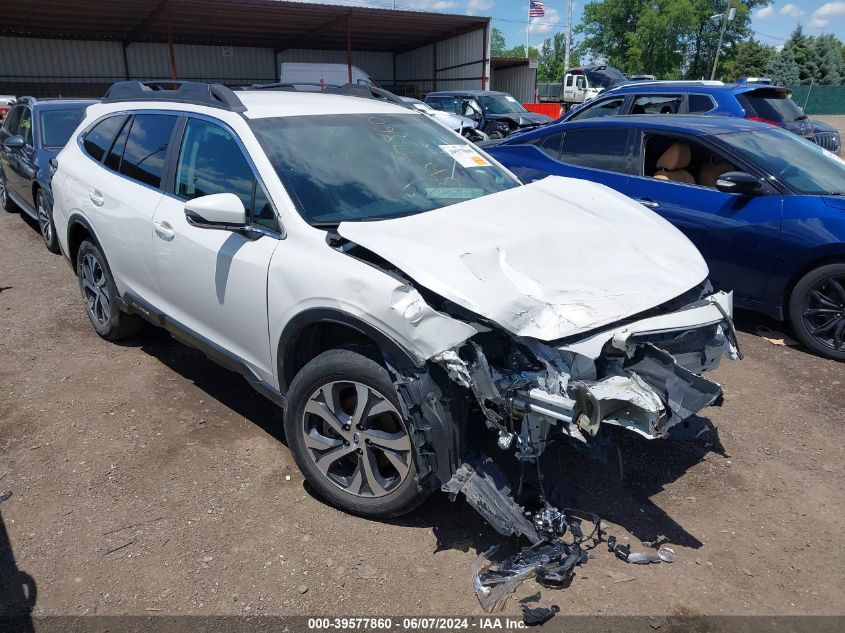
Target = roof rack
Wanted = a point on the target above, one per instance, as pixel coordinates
(348, 90)
(212, 95)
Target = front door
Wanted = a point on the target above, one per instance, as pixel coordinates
(737, 235)
(214, 282)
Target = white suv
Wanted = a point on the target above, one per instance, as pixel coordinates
(387, 283)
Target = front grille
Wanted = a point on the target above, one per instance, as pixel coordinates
(828, 140)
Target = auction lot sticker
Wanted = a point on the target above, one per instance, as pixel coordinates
(465, 156)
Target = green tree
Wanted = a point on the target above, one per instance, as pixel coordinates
(519, 51)
(802, 47)
(660, 42)
(606, 26)
(551, 56)
(498, 44)
(783, 69)
(705, 40)
(829, 60)
(750, 59)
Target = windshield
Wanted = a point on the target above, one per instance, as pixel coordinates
(500, 104)
(374, 166)
(604, 77)
(58, 125)
(800, 163)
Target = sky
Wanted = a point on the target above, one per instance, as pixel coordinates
(772, 24)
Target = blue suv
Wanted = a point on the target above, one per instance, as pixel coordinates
(758, 102)
(766, 209)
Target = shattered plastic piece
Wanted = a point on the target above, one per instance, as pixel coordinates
(534, 616)
(623, 552)
(454, 366)
(657, 542)
(494, 581)
(487, 490)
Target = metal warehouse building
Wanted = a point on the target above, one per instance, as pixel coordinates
(78, 48)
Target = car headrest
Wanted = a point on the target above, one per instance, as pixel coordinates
(676, 157)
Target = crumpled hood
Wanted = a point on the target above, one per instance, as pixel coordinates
(546, 260)
(454, 121)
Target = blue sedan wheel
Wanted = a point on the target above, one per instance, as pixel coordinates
(817, 311)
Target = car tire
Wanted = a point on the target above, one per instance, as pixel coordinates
(358, 458)
(5, 200)
(817, 311)
(45, 222)
(101, 298)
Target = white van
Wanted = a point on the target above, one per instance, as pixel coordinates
(322, 74)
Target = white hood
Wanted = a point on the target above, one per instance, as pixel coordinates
(546, 260)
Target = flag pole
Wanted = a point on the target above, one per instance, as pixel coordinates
(528, 29)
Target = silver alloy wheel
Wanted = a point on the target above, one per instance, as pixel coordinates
(94, 289)
(44, 220)
(3, 195)
(356, 438)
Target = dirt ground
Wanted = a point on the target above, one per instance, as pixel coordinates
(147, 480)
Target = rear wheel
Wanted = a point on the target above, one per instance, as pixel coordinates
(347, 435)
(817, 311)
(5, 200)
(45, 222)
(101, 297)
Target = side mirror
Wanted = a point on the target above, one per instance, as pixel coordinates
(739, 182)
(223, 211)
(14, 141)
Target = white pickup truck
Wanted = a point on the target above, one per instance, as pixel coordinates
(581, 84)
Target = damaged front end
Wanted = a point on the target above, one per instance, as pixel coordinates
(643, 375)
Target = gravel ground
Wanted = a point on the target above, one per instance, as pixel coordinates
(145, 479)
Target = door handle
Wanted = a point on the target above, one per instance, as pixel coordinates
(96, 197)
(164, 230)
(648, 202)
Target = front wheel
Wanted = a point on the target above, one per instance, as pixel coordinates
(101, 297)
(345, 430)
(817, 311)
(45, 222)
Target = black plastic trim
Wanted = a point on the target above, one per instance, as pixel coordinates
(393, 351)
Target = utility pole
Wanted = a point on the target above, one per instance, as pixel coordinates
(568, 39)
(726, 17)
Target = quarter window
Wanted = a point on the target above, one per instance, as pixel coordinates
(146, 148)
(597, 149)
(549, 144)
(700, 103)
(608, 107)
(99, 138)
(211, 161)
(116, 151)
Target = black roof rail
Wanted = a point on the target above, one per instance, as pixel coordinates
(212, 95)
(25, 99)
(349, 90)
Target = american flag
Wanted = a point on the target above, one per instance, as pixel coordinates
(536, 9)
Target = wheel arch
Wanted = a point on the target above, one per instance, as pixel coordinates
(78, 229)
(831, 254)
(317, 330)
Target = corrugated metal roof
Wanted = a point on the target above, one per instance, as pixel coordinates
(267, 23)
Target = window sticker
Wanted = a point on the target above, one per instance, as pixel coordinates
(465, 156)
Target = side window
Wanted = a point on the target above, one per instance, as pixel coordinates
(10, 125)
(683, 160)
(146, 148)
(98, 139)
(25, 127)
(597, 149)
(656, 104)
(211, 161)
(118, 147)
(700, 103)
(569, 81)
(608, 107)
(549, 144)
(581, 82)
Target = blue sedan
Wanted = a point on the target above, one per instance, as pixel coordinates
(765, 207)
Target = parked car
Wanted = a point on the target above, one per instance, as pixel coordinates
(758, 102)
(32, 134)
(463, 125)
(6, 102)
(365, 268)
(764, 207)
(308, 73)
(497, 113)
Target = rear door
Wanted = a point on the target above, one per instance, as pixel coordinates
(738, 235)
(214, 282)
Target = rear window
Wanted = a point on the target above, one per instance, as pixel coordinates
(58, 125)
(772, 105)
(597, 149)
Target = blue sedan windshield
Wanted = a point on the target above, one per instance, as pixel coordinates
(803, 165)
